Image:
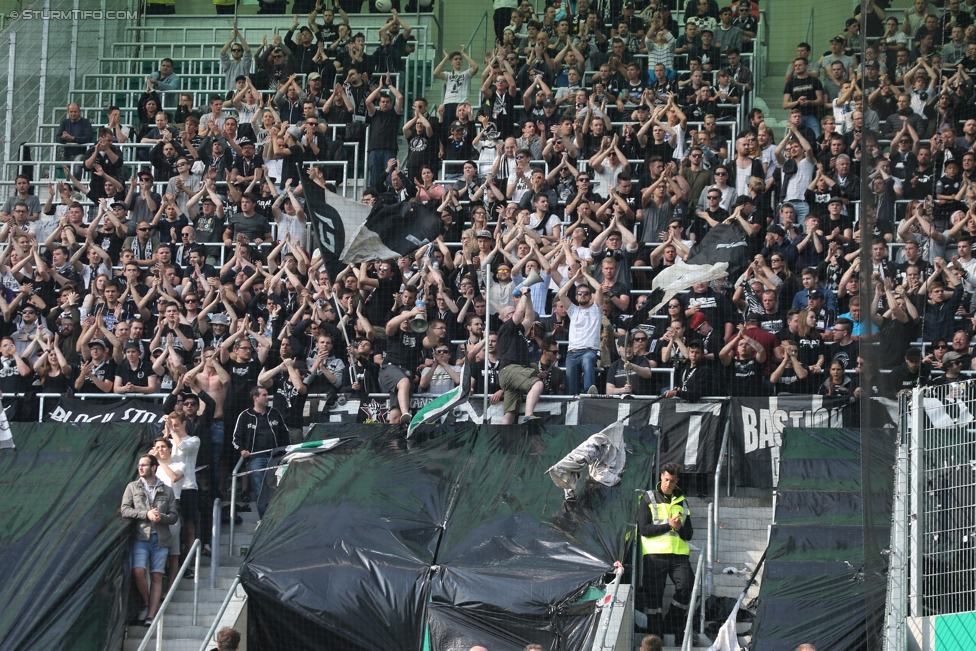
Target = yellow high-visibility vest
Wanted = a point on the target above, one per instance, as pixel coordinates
(670, 542)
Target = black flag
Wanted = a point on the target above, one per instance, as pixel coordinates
(351, 232)
(723, 243)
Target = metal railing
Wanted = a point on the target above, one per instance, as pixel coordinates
(220, 612)
(157, 623)
(688, 641)
(215, 545)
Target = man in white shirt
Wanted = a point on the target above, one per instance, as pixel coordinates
(585, 328)
(795, 154)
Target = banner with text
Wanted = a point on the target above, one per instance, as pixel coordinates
(129, 410)
(757, 431)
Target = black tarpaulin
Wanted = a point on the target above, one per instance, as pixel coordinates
(457, 537)
(821, 581)
(63, 547)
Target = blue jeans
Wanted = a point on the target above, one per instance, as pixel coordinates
(257, 480)
(812, 123)
(378, 158)
(574, 361)
(802, 209)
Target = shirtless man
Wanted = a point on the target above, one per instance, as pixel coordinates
(214, 380)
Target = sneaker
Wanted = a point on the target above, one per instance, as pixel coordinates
(244, 499)
(189, 574)
(243, 508)
(147, 622)
(405, 418)
(207, 550)
(592, 390)
(143, 612)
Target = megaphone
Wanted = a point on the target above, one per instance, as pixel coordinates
(533, 279)
(419, 322)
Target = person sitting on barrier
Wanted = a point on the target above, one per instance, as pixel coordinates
(517, 375)
(151, 506)
(403, 359)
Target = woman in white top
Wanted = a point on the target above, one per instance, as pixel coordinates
(171, 473)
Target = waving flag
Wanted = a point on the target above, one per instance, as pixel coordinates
(444, 403)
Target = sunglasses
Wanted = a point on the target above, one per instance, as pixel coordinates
(582, 293)
(941, 346)
(640, 338)
(721, 174)
(142, 230)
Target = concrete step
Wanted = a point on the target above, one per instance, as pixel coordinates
(726, 545)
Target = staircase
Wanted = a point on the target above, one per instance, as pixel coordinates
(179, 634)
(742, 536)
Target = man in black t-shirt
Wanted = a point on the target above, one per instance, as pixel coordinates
(97, 373)
(382, 129)
(133, 375)
(13, 369)
(404, 354)
(806, 93)
(516, 375)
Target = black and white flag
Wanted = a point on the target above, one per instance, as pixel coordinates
(351, 232)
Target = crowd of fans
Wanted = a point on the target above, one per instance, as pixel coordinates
(604, 148)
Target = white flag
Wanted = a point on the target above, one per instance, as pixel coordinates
(6, 438)
(727, 640)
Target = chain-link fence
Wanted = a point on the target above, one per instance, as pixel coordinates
(45, 51)
(933, 546)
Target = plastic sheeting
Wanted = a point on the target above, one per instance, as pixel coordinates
(63, 547)
(823, 582)
(457, 537)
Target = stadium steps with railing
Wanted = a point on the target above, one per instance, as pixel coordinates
(178, 632)
(742, 536)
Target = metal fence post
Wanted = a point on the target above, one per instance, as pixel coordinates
(45, 40)
(8, 131)
(215, 544)
(917, 482)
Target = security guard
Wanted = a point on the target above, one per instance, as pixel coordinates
(665, 527)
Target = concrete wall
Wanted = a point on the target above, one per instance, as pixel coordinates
(789, 22)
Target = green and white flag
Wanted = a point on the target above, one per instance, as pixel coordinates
(313, 446)
(443, 403)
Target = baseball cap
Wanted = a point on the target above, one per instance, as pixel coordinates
(697, 319)
(97, 342)
(914, 354)
(219, 319)
(146, 174)
(776, 229)
(549, 102)
(484, 234)
(872, 64)
(456, 125)
(743, 199)
(245, 141)
(707, 29)
(835, 200)
(314, 75)
(951, 356)
(120, 204)
(838, 39)
(132, 343)
(622, 341)
(753, 316)
(295, 132)
(814, 294)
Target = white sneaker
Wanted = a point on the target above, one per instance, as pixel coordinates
(143, 613)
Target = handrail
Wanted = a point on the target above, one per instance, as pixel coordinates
(722, 452)
(233, 504)
(215, 545)
(686, 644)
(220, 612)
(609, 600)
(157, 623)
(474, 33)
